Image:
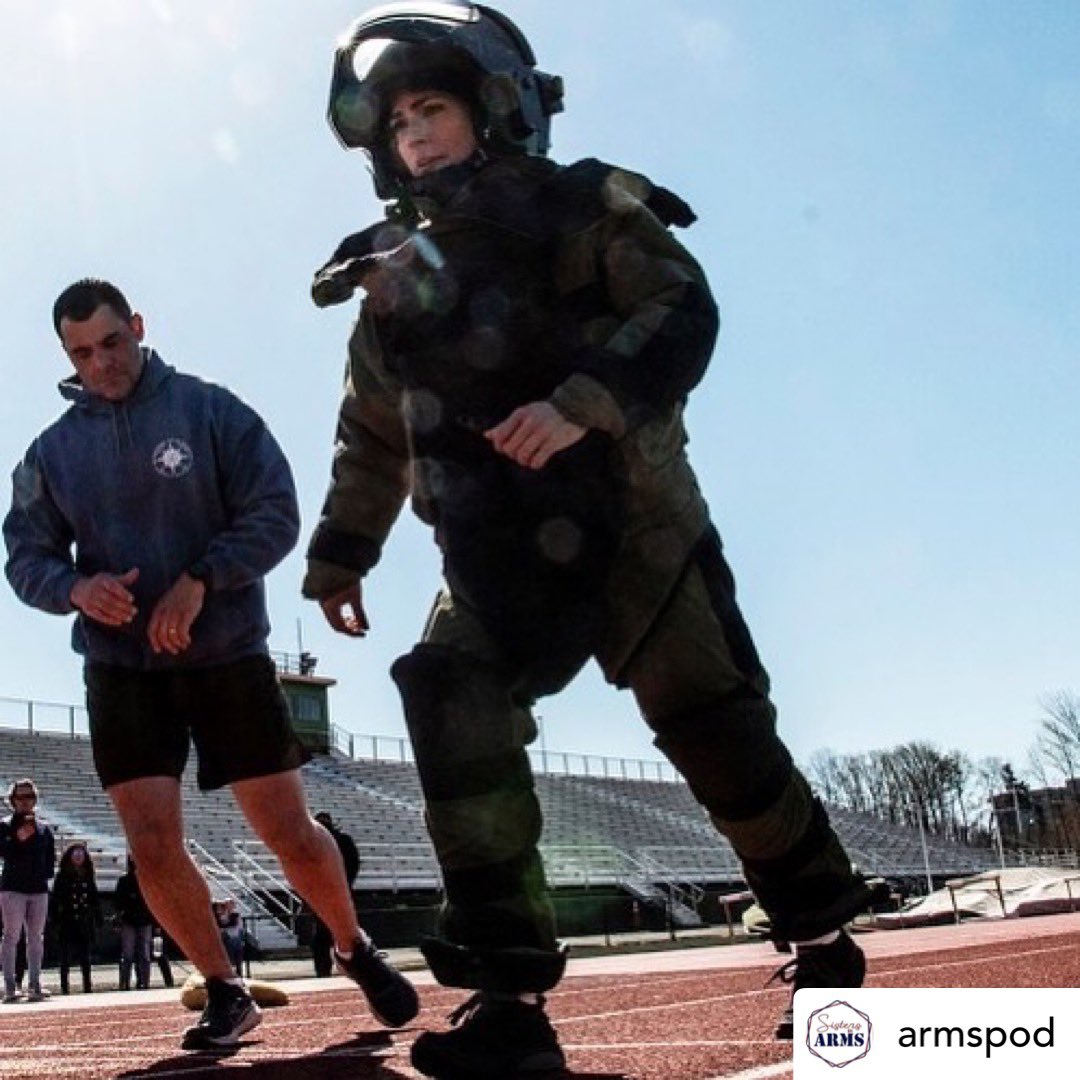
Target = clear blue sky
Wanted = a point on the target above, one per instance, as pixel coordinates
(888, 435)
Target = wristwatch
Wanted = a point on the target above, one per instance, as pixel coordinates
(200, 571)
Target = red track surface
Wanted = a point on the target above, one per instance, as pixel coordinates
(698, 1014)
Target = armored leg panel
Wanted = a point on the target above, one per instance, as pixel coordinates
(469, 736)
(703, 690)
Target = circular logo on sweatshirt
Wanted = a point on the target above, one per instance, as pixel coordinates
(172, 458)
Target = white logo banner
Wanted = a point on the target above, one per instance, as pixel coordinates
(931, 1033)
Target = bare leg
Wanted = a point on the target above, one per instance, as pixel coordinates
(175, 890)
(277, 810)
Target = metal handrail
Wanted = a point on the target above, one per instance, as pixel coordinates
(249, 900)
(262, 882)
(682, 889)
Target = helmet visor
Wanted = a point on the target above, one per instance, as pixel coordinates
(353, 111)
(477, 48)
(378, 69)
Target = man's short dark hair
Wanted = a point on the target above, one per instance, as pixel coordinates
(79, 301)
(25, 782)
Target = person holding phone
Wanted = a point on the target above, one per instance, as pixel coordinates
(28, 848)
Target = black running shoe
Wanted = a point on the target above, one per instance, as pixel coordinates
(390, 995)
(492, 1039)
(229, 1013)
(839, 964)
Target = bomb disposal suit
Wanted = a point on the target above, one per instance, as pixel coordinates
(506, 280)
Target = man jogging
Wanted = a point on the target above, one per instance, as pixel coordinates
(153, 508)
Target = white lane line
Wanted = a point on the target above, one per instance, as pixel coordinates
(685, 1044)
(566, 990)
(137, 1047)
(873, 972)
(199, 1064)
(285, 1021)
(762, 1072)
(1010, 959)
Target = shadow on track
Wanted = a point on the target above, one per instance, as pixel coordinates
(360, 1058)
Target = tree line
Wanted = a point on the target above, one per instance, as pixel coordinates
(952, 795)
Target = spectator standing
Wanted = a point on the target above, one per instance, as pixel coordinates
(232, 931)
(321, 939)
(136, 929)
(75, 913)
(159, 953)
(28, 849)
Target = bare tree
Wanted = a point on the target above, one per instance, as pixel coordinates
(905, 785)
(1060, 827)
(1057, 746)
(1059, 731)
(822, 771)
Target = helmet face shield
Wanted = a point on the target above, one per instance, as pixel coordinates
(467, 49)
(378, 69)
(354, 109)
(366, 55)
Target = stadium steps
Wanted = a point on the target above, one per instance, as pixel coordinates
(380, 804)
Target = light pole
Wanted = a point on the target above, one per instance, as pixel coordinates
(925, 851)
(543, 742)
(1016, 812)
(1000, 845)
(994, 811)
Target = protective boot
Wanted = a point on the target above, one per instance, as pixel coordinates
(494, 1037)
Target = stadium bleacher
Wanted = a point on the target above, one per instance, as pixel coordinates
(650, 824)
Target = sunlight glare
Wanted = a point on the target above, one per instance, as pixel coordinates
(66, 33)
(252, 84)
(226, 146)
(163, 10)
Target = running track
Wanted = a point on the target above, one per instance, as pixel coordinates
(694, 1014)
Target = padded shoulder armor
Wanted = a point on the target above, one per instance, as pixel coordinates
(590, 185)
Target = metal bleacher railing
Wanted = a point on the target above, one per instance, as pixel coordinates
(548, 762)
(57, 718)
(44, 716)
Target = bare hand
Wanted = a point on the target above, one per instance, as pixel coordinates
(105, 597)
(532, 434)
(170, 621)
(344, 611)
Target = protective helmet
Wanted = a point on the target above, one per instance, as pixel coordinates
(467, 49)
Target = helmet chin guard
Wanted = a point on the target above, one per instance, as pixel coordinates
(466, 49)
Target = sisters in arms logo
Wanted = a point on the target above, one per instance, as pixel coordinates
(838, 1034)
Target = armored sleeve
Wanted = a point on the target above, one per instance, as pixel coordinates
(653, 323)
(369, 476)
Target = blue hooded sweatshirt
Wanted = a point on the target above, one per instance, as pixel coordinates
(181, 471)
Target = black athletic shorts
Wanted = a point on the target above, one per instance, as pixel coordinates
(142, 722)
